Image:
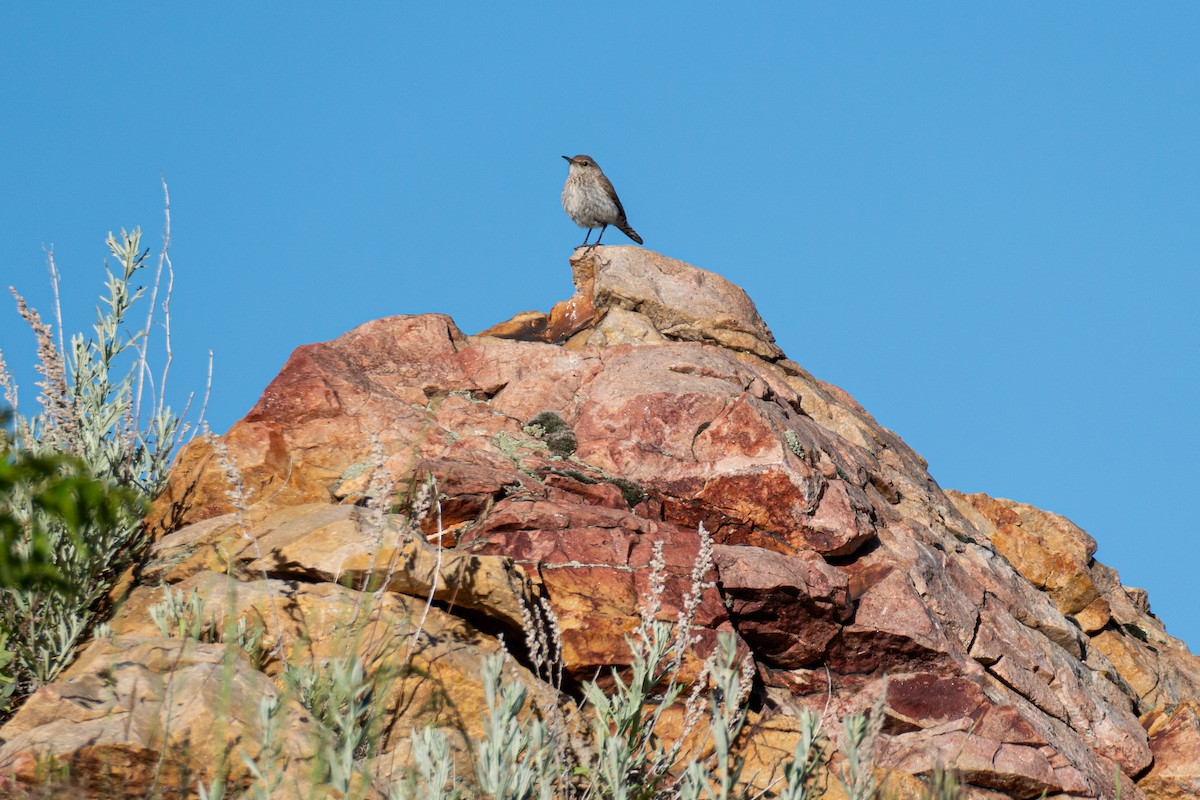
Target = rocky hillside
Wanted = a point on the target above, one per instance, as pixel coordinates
(561, 447)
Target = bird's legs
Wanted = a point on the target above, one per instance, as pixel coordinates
(603, 228)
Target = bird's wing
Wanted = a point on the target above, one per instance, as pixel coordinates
(613, 194)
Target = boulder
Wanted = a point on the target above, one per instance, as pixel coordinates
(411, 497)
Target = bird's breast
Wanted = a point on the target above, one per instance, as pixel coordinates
(588, 204)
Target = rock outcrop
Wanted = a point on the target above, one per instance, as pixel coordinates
(544, 459)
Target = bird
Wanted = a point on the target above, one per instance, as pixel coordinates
(590, 200)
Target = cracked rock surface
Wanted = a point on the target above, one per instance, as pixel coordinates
(986, 629)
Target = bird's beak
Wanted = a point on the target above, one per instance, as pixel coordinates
(568, 158)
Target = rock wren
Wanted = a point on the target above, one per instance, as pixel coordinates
(589, 198)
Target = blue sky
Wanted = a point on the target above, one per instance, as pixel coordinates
(982, 220)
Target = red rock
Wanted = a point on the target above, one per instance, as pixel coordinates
(787, 608)
(839, 560)
(592, 562)
(927, 700)
(1175, 740)
(893, 628)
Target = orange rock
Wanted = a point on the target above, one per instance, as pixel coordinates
(1001, 647)
(1047, 549)
(1175, 740)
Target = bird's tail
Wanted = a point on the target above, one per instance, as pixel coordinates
(625, 228)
